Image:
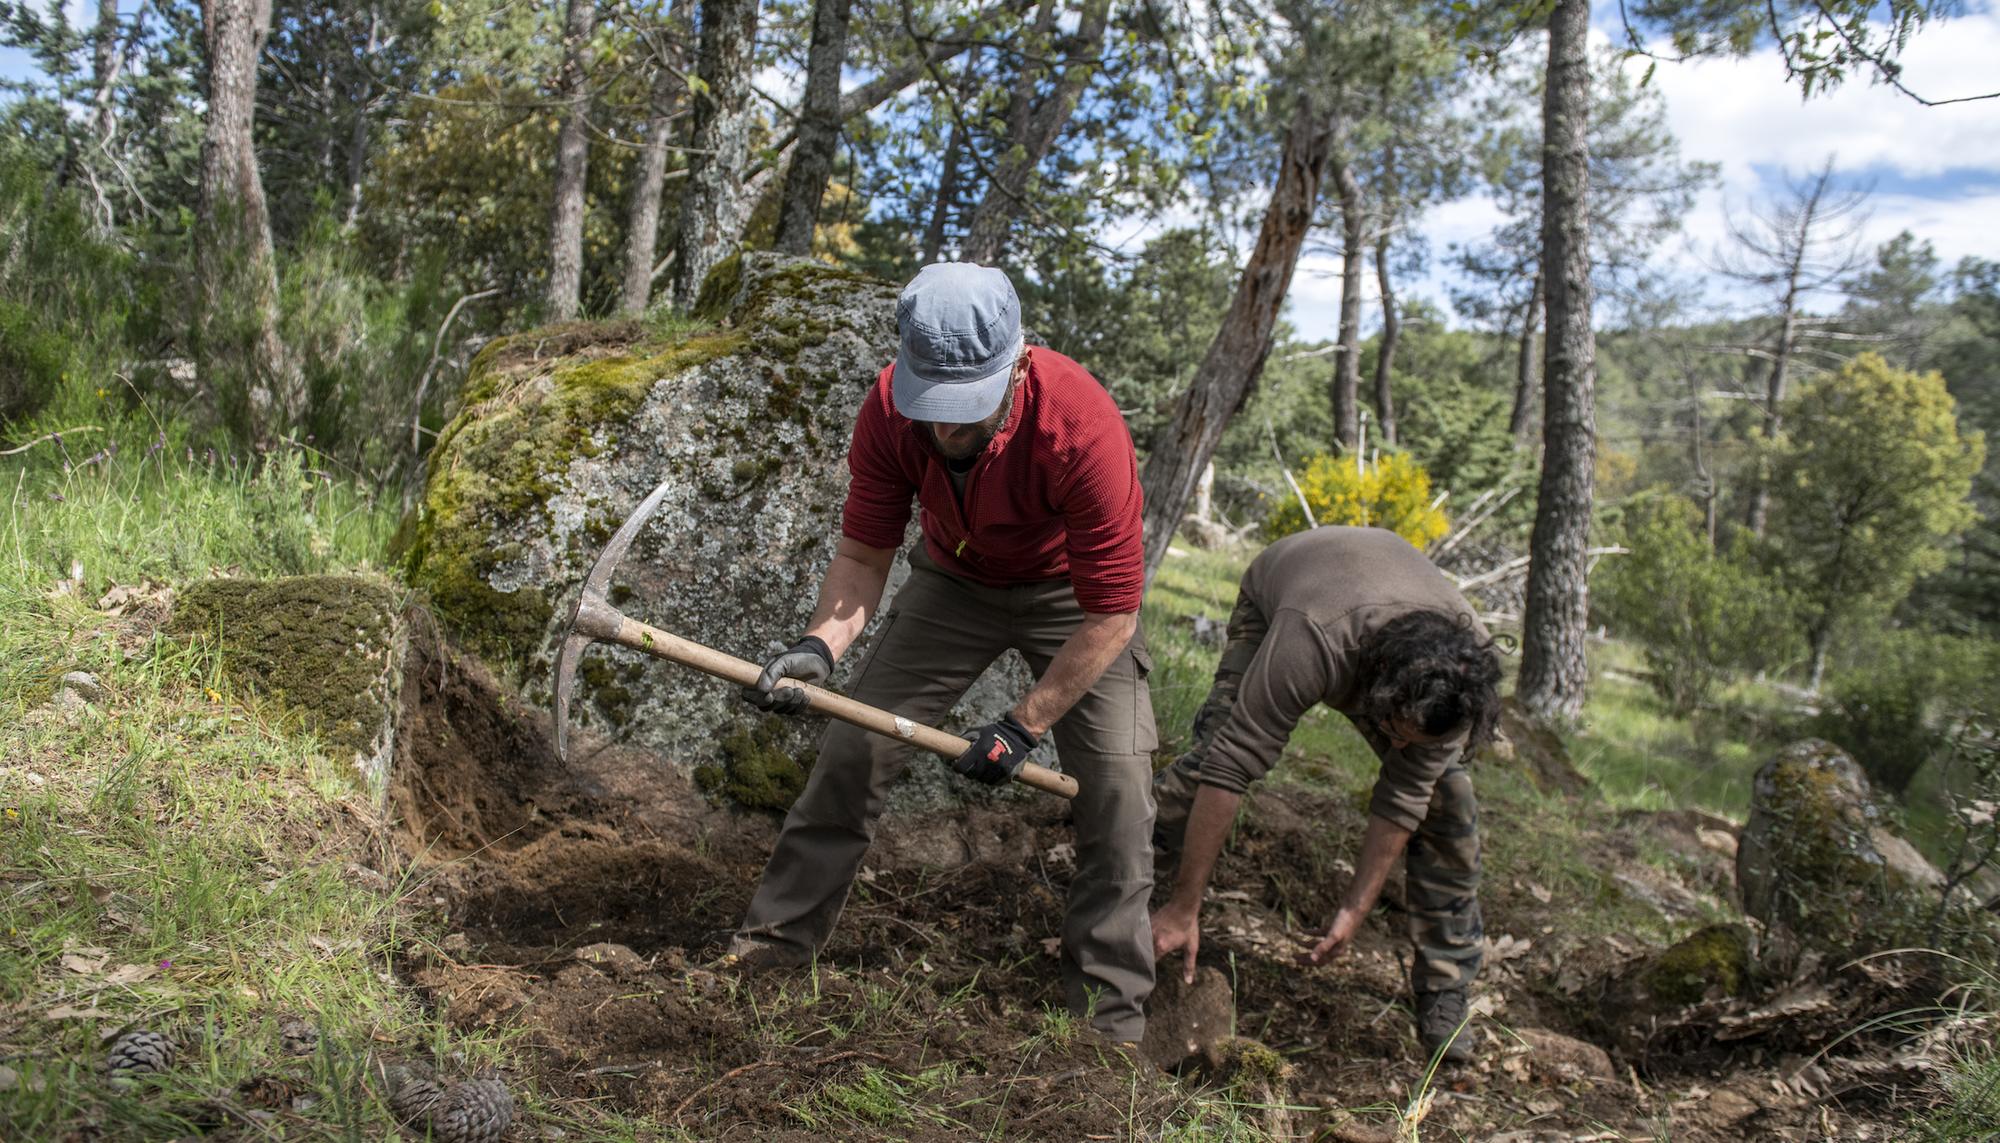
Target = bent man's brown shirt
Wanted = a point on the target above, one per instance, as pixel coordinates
(1322, 593)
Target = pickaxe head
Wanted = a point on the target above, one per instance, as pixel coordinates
(594, 617)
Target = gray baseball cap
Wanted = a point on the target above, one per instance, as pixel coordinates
(960, 330)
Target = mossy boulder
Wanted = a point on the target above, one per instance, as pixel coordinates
(1707, 964)
(746, 408)
(1819, 862)
(327, 648)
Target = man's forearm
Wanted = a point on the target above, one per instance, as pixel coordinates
(849, 595)
(1075, 669)
(1208, 825)
(1380, 846)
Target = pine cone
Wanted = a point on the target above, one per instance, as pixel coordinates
(297, 1038)
(413, 1098)
(138, 1053)
(476, 1111)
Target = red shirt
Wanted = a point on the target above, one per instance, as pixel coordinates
(1054, 496)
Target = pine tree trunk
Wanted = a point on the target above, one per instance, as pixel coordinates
(642, 215)
(1235, 358)
(1521, 421)
(572, 167)
(711, 219)
(237, 272)
(1030, 137)
(818, 130)
(1346, 387)
(1385, 357)
(1553, 667)
(948, 171)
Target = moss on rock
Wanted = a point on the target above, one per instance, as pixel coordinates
(322, 645)
(1712, 960)
(758, 770)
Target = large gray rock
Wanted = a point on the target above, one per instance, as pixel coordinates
(748, 410)
(1818, 861)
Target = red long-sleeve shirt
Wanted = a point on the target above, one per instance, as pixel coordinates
(1054, 496)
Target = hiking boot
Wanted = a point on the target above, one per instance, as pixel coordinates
(1443, 1023)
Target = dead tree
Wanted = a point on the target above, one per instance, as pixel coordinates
(642, 217)
(1345, 389)
(1553, 669)
(565, 288)
(1804, 244)
(1235, 358)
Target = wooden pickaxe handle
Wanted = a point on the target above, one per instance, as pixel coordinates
(661, 644)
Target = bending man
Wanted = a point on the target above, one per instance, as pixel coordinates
(1031, 540)
(1357, 619)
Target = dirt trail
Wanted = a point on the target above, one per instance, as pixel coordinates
(586, 900)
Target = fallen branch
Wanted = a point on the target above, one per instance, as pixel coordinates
(1519, 565)
(49, 437)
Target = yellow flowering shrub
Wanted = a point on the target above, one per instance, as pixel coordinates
(1393, 493)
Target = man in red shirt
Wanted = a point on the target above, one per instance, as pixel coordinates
(1031, 539)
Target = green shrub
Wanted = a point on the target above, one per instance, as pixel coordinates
(33, 360)
(1896, 703)
(1698, 613)
(1392, 493)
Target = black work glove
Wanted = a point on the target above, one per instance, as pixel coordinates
(999, 750)
(809, 661)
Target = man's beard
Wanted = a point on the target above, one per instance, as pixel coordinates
(966, 445)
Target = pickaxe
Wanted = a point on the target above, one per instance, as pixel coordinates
(594, 619)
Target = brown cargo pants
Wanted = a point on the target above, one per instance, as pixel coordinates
(939, 634)
(1441, 865)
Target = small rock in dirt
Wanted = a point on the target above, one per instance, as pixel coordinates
(615, 959)
(1730, 1106)
(456, 943)
(1187, 1022)
(85, 686)
(1564, 1059)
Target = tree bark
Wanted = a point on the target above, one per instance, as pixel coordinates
(1346, 387)
(1235, 358)
(360, 101)
(1521, 421)
(818, 130)
(572, 167)
(1554, 672)
(1385, 356)
(1030, 137)
(234, 262)
(711, 219)
(642, 216)
(948, 172)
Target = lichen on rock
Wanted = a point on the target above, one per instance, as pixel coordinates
(746, 408)
(326, 647)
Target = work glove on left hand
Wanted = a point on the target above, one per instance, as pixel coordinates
(810, 660)
(999, 750)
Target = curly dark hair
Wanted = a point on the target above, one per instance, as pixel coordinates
(1435, 670)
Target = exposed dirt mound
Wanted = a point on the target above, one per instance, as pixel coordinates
(589, 900)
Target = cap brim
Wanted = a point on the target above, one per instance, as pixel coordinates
(951, 403)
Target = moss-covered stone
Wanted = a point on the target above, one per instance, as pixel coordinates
(1713, 961)
(758, 769)
(322, 645)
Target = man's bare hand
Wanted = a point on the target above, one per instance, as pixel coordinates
(1176, 930)
(1346, 923)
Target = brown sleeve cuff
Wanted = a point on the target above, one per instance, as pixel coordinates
(1393, 806)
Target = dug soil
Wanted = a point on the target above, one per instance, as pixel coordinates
(587, 904)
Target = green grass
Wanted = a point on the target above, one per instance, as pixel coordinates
(168, 859)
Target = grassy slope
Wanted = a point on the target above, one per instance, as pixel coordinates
(167, 859)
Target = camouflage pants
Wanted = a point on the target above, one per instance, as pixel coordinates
(1441, 864)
